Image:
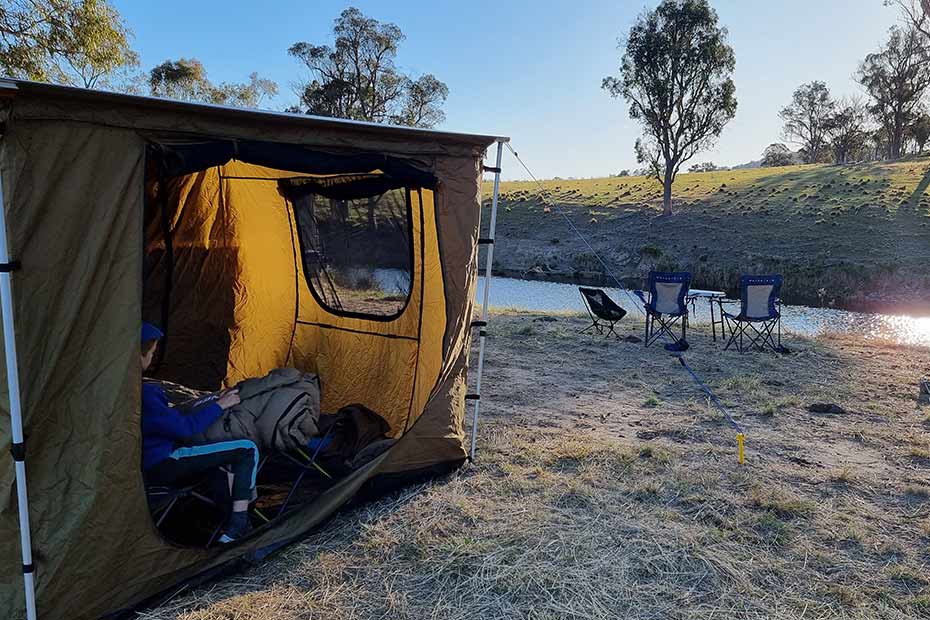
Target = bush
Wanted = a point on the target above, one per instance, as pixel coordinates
(651, 251)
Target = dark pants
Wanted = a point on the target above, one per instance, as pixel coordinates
(239, 457)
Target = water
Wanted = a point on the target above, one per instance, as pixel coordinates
(553, 296)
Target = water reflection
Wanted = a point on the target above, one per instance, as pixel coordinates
(553, 296)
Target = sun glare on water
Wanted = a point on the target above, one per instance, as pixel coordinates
(903, 329)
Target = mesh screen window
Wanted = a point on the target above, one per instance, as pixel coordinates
(357, 254)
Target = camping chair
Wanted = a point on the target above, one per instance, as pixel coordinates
(665, 307)
(163, 499)
(305, 461)
(758, 324)
(600, 307)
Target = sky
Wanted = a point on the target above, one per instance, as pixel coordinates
(532, 69)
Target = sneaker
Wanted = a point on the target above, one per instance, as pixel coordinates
(235, 530)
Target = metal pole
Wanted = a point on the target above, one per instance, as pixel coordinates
(482, 334)
(16, 417)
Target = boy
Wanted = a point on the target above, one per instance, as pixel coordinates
(165, 430)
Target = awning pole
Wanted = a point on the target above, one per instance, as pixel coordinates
(483, 333)
(12, 379)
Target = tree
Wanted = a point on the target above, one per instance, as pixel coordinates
(707, 166)
(879, 141)
(919, 131)
(846, 130)
(777, 154)
(357, 79)
(917, 13)
(806, 119)
(896, 78)
(75, 42)
(675, 75)
(186, 79)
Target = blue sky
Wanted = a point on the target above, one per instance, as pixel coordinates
(531, 69)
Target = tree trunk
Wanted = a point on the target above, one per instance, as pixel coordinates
(667, 193)
(897, 137)
(371, 213)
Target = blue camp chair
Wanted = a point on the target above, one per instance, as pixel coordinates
(664, 303)
(758, 324)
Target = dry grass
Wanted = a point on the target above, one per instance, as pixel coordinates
(588, 503)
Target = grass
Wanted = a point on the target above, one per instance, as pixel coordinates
(586, 502)
(779, 502)
(858, 231)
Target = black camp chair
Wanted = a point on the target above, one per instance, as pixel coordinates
(163, 499)
(603, 311)
(758, 324)
(665, 307)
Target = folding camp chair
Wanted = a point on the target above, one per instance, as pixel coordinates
(600, 308)
(758, 324)
(665, 307)
(305, 462)
(163, 499)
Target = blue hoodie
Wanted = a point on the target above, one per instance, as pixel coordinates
(164, 426)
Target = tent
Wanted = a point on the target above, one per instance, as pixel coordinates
(258, 240)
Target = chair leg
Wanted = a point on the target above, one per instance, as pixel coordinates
(768, 336)
(666, 328)
(203, 498)
(215, 534)
(656, 328)
(290, 494)
(736, 330)
(166, 510)
(611, 330)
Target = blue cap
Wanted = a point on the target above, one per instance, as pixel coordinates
(150, 332)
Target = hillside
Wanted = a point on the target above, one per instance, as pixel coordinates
(856, 235)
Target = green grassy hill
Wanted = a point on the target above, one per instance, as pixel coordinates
(857, 235)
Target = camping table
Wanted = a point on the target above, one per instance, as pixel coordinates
(713, 298)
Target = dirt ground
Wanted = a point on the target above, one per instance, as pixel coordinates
(606, 487)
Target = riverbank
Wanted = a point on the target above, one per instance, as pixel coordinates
(854, 237)
(608, 488)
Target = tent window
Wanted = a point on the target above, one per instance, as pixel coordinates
(357, 253)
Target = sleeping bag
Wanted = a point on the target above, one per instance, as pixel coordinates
(279, 412)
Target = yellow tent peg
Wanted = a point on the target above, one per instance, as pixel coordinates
(739, 445)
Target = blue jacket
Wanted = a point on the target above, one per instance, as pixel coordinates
(163, 426)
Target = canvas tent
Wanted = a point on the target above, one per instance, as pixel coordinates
(118, 208)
